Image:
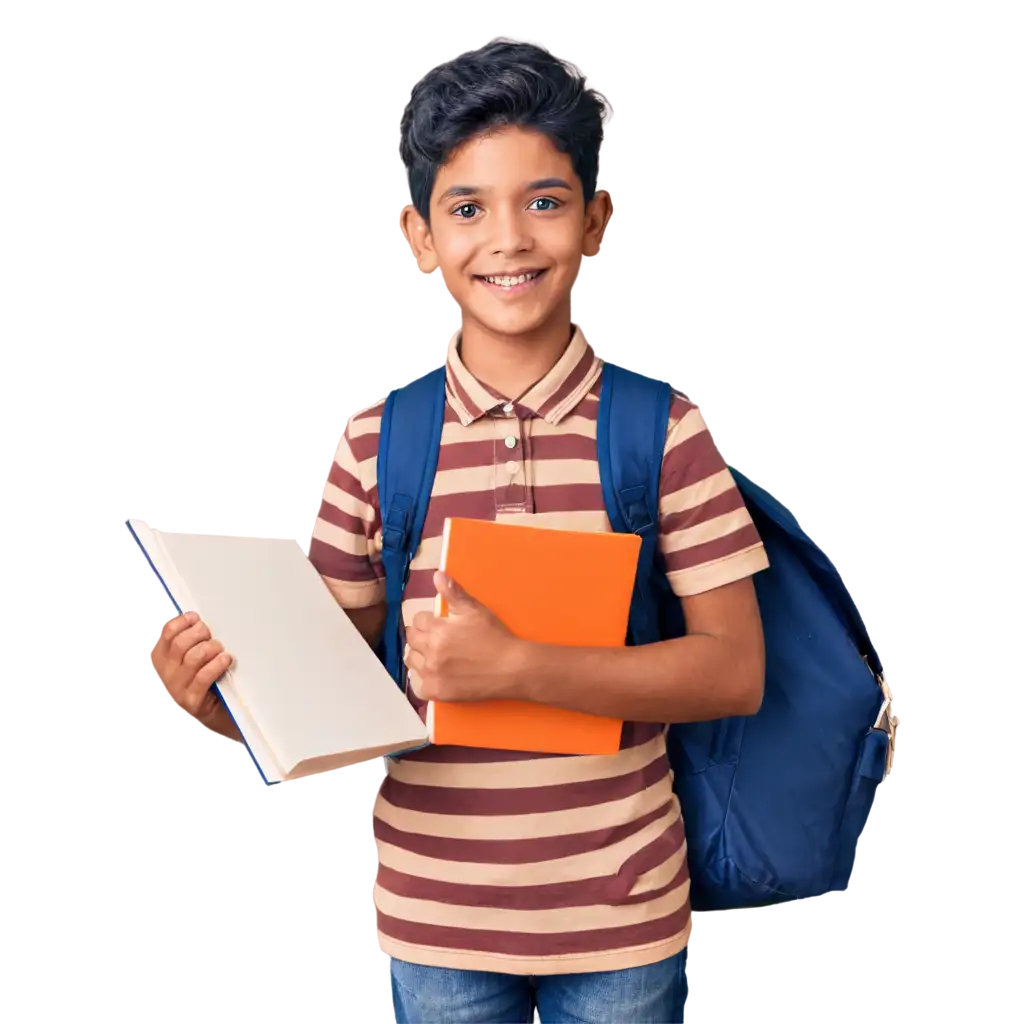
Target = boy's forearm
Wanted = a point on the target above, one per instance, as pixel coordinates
(691, 679)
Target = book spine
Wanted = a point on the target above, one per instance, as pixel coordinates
(128, 530)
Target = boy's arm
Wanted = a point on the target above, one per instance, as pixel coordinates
(715, 671)
(710, 550)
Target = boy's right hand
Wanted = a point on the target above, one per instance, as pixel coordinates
(189, 661)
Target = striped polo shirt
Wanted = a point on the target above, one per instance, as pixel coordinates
(527, 863)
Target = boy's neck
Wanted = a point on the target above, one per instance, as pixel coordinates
(512, 364)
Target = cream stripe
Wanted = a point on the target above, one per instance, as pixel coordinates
(356, 595)
(700, 578)
(368, 472)
(455, 432)
(586, 521)
(544, 771)
(544, 824)
(428, 556)
(696, 494)
(564, 471)
(459, 481)
(339, 538)
(712, 529)
(529, 922)
(593, 864)
(362, 427)
(571, 425)
(691, 424)
(412, 606)
(660, 876)
(558, 963)
(340, 499)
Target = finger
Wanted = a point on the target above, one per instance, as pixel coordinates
(173, 626)
(181, 677)
(424, 621)
(415, 660)
(207, 676)
(185, 641)
(170, 628)
(458, 598)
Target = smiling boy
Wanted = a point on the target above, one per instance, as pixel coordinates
(512, 881)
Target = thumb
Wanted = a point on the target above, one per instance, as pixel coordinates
(458, 599)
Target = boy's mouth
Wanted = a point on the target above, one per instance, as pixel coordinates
(511, 284)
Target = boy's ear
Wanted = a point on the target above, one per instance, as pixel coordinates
(417, 234)
(595, 220)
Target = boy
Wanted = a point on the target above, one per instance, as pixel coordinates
(511, 881)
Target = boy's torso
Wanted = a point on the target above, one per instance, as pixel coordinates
(525, 863)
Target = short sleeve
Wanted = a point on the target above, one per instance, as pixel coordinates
(343, 548)
(707, 536)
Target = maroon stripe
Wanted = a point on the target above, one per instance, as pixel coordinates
(339, 565)
(474, 755)
(573, 381)
(547, 944)
(689, 462)
(713, 549)
(462, 394)
(563, 446)
(636, 734)
(345, 481)
(468, 505)
(680, 406)
(568, 498)
(345, 520)
(514, 851)
(655, 853)
(467, 454)
(587, 892)
(364, 446)
(727, 501)
(585, 410)
(525, 800)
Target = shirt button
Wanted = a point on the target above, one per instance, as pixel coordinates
(510, 442)
(508, 409)
(512, 468)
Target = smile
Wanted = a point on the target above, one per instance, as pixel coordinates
(512, 284)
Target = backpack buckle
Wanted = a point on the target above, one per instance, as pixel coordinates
(886, 720)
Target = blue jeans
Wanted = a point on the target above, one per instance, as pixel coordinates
(636, 995)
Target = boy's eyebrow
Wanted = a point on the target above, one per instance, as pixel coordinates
(471, 190)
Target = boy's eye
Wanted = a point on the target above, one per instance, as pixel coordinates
(552, 204)
(460, 210)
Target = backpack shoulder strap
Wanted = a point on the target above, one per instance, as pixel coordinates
(632, 422)
(410, 439)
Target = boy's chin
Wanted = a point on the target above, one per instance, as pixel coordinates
(509, 322)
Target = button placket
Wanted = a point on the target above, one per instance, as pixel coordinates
(510, 492)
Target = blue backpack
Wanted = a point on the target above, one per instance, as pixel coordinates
(773, 803)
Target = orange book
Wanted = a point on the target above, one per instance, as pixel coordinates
(562, 587)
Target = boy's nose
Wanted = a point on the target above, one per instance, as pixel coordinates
(511, 233)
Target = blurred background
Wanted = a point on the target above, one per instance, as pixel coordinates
(817, 236)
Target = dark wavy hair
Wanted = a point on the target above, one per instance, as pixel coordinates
(504, 83)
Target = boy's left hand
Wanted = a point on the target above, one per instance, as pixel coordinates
(469, 655)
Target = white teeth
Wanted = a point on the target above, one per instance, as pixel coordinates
(508, 282)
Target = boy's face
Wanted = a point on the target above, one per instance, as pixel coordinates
(508, 204)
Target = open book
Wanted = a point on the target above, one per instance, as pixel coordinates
(305, 690)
